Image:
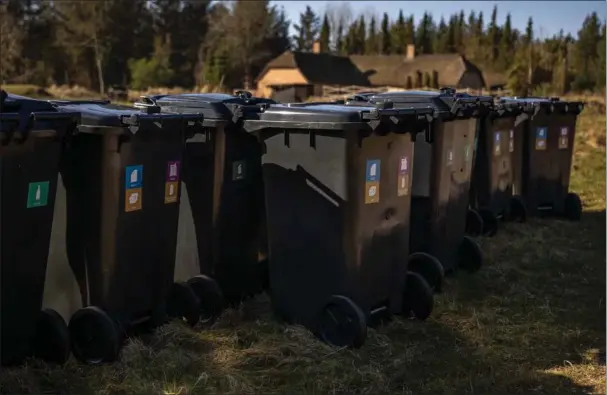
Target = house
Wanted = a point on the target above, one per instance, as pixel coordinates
(312, 73)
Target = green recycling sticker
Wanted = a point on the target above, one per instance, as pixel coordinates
(37, 194)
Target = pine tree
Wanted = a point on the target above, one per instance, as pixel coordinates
(493, 38)
(460, 31)
(361, 36)
(351, 40)
(325, 34)
(442, 36)
(425, 35)
(340, 41)
(307, 30)
(371, 45)
(398, 32)
(450, 35)
(386, 43)
(410, 30)
(600, 71)
(586, 54)
(506, 46)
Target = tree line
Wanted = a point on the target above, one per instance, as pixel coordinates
(142, 43)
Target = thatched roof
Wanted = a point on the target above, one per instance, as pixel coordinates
(394, 69)
(319, 68)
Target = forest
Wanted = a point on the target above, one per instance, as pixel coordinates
(187, 43)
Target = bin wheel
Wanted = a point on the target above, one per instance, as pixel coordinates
(573, 207)
(469, 255)
(429, 267)
(474, 223)
(518, 209)
(52, 339)
(342, 323)
(210, 297)
(183, 303)
(94, 336)
(417, 297)
(490, 221)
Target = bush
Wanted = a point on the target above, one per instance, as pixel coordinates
(150, 72)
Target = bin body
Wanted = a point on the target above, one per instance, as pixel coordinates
(548, 133)
(337, 206)
(442, 169)
(120, 173)
(221, 230)
(29, 163)
(497, 166)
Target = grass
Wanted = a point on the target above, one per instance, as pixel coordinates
(530, 322)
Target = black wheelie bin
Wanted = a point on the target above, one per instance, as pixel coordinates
(122, 209)
(32, 135)
(337, 191)
(499, 148)
(441, 174)
(548, 129)
(222, 245)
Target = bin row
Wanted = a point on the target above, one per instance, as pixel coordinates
(343, 212)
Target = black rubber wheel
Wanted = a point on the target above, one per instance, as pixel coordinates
(429, 267)
(183, 303)
(210, 298)
(52, 339)
(572, 207)
(94, 336)
(469, 255)
(490, 221)
(474, 223)
(518, 209)
(417, 297)
(342, 323)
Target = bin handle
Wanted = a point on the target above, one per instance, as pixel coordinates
(314, 181)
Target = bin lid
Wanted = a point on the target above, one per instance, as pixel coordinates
(336, 117)
(102, 113)
(217, 106)
(445, 102)
(15, 103)
(551, 104)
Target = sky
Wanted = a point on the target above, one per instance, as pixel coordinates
(548, 16)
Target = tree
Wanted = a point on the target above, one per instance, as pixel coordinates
(340, 14)
(361, 36)
(350, 43)
(600, 71)
(386, 43)
(307, 30)
(586, 54)
(410, 30)
(493, 38)
(425, 34)
(441, 44)
(506, 46)
(397, 31)
(10, 44)
(325, 35)
(339, 41)
(372, 44)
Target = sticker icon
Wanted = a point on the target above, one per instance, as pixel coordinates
(467, 155)
(403, 185)
(134, 177)
(171, 192)
(373, 170)
(449, 157)
(371, 192)
(541, 135)
(37, 194)
(511, 141)
(172, 171)
(239, 170)
(564, 131)
(133, 199)
(497, 146)
(564, 138)
(404, 164)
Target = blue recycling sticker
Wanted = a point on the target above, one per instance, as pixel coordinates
(133, 177)
(373, 170)
(541, 133)
(497, 136)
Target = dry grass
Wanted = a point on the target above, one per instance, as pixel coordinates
(530, 322)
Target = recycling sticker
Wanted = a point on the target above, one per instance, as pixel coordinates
(37, 194)
(133, 179)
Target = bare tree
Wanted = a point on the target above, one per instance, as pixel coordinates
(339, 13)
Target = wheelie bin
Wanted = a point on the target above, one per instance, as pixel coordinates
(222, 246)
(32, 134)
(441, 174)
(337, 191)
(492, 188)
(547, 127)
(119, 171)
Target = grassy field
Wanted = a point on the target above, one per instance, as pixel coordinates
(530, 322)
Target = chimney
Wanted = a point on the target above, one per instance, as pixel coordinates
(410, 51)
(316, 47)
